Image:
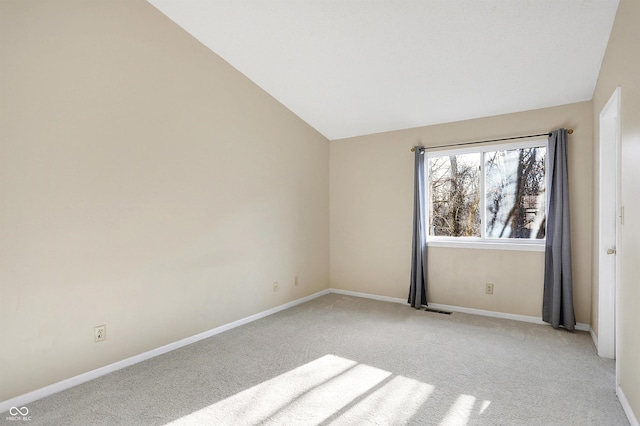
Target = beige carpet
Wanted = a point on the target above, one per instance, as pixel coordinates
(341, 360)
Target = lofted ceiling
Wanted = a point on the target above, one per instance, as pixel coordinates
(355, 67)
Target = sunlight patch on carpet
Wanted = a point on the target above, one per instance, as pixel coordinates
(329, 387)
(392, 404)
(459, 412)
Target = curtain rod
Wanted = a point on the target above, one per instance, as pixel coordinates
(570, 131)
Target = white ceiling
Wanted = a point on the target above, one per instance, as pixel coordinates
(350, 68)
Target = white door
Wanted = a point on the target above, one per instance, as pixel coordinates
(609, 214)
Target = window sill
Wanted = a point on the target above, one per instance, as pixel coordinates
(501, 245)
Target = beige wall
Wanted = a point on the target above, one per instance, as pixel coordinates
(145, 185)
(621, 67)
(371, 212)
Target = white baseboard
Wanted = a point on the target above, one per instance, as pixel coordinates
(594, 337)
(368, 296)
(633, 420)
(516, 317)
(21, 400)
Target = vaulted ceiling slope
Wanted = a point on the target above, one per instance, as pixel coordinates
(351, 68)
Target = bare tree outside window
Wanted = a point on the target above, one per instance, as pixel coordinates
(454, 183)
(513, 192)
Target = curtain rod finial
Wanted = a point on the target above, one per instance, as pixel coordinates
(570, 131)
(413, 149)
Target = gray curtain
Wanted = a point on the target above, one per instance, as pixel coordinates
(418, 288)
(557, 304)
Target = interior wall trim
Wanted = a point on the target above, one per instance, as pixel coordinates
(594, 337)
(633, 420)
(525, 318)
(24, 399)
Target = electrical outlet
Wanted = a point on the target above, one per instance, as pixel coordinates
(489, 289)
(295, 281)
(100, 333)
(275, 286)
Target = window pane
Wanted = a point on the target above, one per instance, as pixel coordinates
(454, 191)
(515, 193)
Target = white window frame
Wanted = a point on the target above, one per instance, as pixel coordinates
(482, 242)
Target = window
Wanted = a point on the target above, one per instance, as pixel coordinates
(488, 195)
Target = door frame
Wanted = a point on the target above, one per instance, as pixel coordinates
(609, 229)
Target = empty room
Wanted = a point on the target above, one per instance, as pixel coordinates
(319, 212)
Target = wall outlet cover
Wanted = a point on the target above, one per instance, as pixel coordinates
(100, 333)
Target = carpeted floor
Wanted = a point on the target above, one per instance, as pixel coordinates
(348, 361)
